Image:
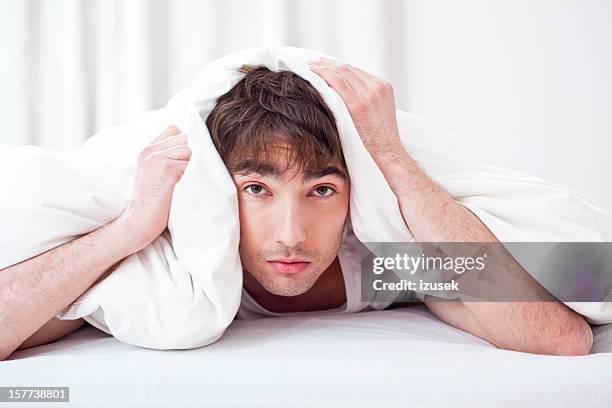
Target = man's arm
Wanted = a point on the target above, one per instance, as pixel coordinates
(432, 215)
(53, 330)
(33, 291)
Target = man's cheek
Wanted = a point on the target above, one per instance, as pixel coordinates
(250, 224)
(329, 236)
(333, 223)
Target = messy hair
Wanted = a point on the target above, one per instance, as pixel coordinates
(268, 109)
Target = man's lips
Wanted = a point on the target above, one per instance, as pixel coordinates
(289, 266)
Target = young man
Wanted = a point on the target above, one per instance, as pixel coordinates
(279, 141)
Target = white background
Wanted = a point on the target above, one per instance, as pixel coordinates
(528, 81)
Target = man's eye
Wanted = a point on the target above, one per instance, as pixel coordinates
(323, 191)
(254, 189)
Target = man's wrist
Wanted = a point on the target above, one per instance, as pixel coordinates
(403, 173)
(125, 233)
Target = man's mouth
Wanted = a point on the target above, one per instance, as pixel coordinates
(289, 266)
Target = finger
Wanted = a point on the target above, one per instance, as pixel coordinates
(347, 71)
(174, 140)
(368, 78)
(336, 81)
(320, 61)
(361, 81)
(177, 167)
(169, 131)
(180, 152)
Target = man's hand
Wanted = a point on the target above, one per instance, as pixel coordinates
(33, 291)
(433, 215)
(160, 166)
(370, 101)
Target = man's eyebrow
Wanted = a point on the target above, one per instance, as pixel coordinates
(263, 169)
(270, 170)
(329, 170)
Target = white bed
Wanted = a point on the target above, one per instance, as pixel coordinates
(396, 357)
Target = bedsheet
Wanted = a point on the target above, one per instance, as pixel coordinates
(397, 357)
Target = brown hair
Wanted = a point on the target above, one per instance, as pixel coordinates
(267, 109)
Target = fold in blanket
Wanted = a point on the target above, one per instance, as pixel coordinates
(183, 290)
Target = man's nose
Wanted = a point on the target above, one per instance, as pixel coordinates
(290, 228)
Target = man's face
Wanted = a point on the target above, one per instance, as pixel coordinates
(291, 223)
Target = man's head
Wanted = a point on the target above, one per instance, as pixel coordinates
(279, 140)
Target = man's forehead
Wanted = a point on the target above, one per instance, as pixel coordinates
(266, 169)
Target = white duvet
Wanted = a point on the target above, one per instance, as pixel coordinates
(183, 290)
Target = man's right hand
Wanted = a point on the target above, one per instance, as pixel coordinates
(160, 166)
(33, 291)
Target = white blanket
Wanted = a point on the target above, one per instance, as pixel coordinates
(184, 289)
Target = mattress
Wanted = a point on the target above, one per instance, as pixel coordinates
(397, 357)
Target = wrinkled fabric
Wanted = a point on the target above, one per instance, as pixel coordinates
(183, 290)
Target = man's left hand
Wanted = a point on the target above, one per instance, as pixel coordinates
(370, 101)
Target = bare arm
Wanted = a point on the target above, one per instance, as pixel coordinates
(53, 330)
(543, 327)
(432, 215)
(33, 291)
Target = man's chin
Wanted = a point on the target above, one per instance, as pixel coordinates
(287, 290)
